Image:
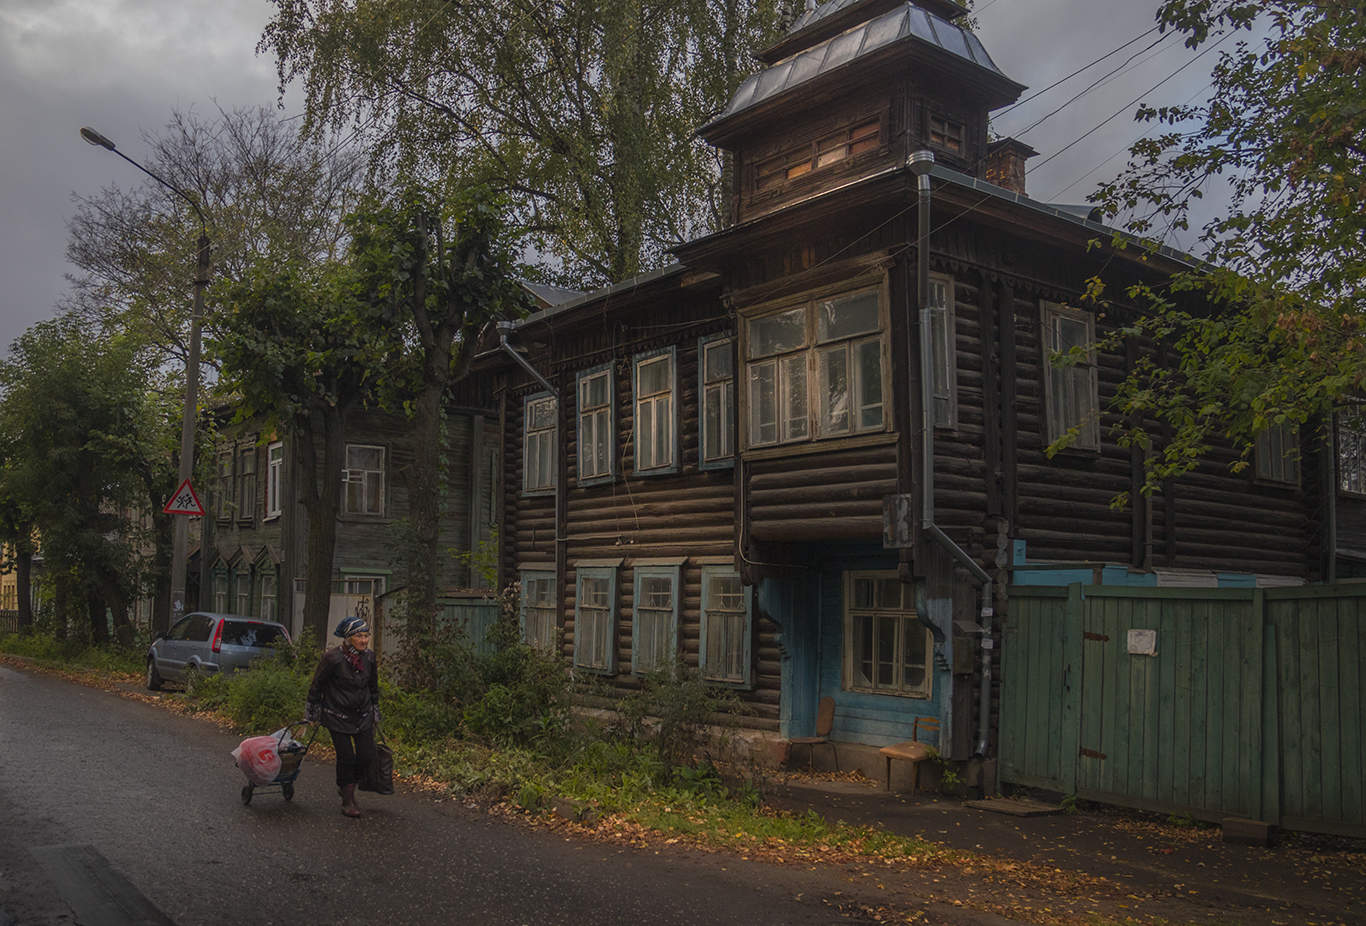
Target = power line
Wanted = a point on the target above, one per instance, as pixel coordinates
(1038, 93)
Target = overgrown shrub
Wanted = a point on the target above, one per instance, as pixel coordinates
(45, 647)
(672, 712)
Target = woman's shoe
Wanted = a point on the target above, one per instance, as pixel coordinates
(348, 796)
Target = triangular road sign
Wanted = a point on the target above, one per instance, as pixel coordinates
(184, 501)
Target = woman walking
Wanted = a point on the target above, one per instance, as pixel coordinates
(344, 697)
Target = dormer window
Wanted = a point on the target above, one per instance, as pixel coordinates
(946, 133)
(823, 152)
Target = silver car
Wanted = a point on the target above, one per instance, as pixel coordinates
(204, 642)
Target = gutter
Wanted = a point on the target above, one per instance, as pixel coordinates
(920, 164)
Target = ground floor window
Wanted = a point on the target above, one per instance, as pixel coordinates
(654, 622)
(538, 610)
(887, 649)
(725, 647)
(595, 619)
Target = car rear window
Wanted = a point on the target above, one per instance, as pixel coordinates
(251, 633)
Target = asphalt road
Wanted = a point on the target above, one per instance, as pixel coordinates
(118, 807)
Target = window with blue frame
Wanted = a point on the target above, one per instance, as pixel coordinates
(654, 624)
(538, 610)
(655, 412)
(887, 649)
(595, 424)
(724, 653)
(595, 619)
(716, 372)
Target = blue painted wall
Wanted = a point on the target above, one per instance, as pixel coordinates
(810, 611)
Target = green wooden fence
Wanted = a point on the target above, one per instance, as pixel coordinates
(1250, 704)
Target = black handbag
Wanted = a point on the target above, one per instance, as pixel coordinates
(379, 777)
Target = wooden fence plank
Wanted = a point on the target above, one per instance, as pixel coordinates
(1173, 711)
(1200, 634)
(1353, 715)
(1292, 721)
(1311, 716)
(1248, 786)
(1330, 779)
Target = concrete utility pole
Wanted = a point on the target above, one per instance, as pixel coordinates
(180, 538)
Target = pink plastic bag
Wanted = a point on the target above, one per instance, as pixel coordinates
(258, 758)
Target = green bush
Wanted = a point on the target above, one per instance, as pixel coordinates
(45, 647)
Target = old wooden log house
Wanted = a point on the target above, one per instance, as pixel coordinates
(809, 467)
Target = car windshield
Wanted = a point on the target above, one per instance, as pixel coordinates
(251, 633)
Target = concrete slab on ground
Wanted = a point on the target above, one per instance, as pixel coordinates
(1014, 806)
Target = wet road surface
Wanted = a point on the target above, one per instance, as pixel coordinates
(134, 804)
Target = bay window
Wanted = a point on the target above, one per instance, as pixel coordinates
(817, 369)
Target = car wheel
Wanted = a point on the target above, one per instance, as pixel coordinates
(153, 676)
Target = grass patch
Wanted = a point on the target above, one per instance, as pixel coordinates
(74, 654)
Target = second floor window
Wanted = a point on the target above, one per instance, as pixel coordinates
(223, 494)
(946, 133)
(246, 484)
(654, 412)
(364, 480)
(1070, 387)
(943, 352)
(595, 424)
(1352, 451)
(816, 368)
(1278, 454)
(275, 468)
(538, 444)
(717, 360)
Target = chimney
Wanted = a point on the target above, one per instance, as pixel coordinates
(1005, 164)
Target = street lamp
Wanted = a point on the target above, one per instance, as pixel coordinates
(180, 536)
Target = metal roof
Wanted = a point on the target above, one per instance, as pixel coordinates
(905, 23)
(551, 295)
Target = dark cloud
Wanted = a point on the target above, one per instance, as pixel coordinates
(123, 66)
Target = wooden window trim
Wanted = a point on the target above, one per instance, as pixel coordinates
(1088, 436)
(382, 487)
(609, 574)
(671, 464)
(602, 370)
(549, 487)
(905, 616)
(674, 575)
(949, 324)
(811, 347)
(797, 164)
(709, 574)
(275, 472)
(525, 577)
(730, 426)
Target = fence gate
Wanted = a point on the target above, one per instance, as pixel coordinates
(1211, 702)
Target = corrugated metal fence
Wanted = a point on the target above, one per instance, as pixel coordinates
(1246, 703)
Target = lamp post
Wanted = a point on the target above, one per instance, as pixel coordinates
(180, 536)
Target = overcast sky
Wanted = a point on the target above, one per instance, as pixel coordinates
(122, 66)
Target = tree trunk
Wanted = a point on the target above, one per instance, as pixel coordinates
(425, 498)
(117, 602)
(99, 620)
(321, 441)
(23, 581)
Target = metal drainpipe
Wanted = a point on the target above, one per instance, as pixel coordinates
(920, 163)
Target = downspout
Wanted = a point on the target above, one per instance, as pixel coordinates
(920, 163)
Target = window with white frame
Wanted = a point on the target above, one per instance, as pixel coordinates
(241, 588)
(943, 352)
(275, 468)
(1278, 454)
(246, 483)
(816, 368)
(1352, 451)
(538, 444)
(538, 610)
(887, 649)
(223, 495)
(716, 359)
(595, 619)
(595, 424)
(1071, 399)
(654, 411)
(220, 590)
(269, 583)
(654, 621)
(724, 653)
(363, 480)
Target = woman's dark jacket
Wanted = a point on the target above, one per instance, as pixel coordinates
(344, 697)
